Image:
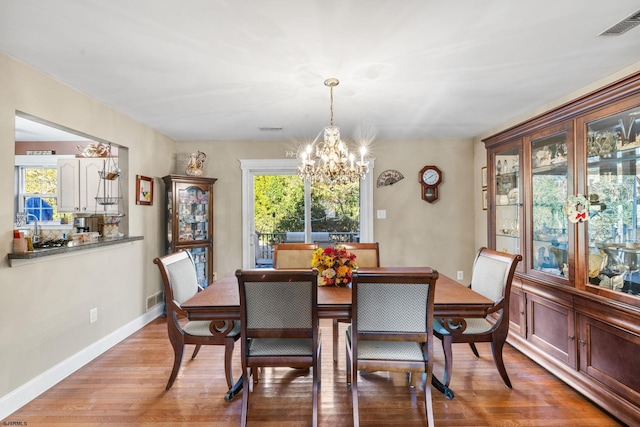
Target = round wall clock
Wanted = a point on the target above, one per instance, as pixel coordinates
(430, 178)
(389, 177)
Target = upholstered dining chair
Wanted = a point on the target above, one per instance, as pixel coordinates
(279, 326)
(391, 328)
(181, 283)
(492, 276)
(367, 255)
(293, 255)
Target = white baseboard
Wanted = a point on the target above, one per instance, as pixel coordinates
(19, 397)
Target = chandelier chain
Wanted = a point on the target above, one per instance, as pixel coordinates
(331, 107)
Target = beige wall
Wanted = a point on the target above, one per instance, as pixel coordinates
(440, 235)
(45, 306)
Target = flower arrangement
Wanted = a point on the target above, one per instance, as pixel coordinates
(334, 264)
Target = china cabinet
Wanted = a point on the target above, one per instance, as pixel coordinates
(564, 192)
(189, 221)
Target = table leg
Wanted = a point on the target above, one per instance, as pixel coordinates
(234, 390)
(448, 393)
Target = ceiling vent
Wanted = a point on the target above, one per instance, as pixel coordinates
(623, 26)
(270, 128)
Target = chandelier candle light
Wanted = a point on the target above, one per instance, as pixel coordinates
(331, 163)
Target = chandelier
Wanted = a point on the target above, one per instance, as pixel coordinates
(330, 162)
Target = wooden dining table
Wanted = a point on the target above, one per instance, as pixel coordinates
(220, 302)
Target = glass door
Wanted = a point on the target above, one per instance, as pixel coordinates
(613, 183)
(283, 214)
(507, 200)
(549, 192)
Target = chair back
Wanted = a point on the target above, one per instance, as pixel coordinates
(393, 302)
(278, 303)
(179, 277)
(492, 276)
(293, 255)
(367, 254)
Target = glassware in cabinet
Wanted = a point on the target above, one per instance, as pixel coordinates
(613, 174)
(549, 192)
(507, 200)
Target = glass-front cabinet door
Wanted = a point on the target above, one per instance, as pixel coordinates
(508, 205)
(550, 185)
(613, 184)
(193, 213)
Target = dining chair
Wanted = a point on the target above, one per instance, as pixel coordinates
(279, 326)
(181, 283)
(367, 255)
(492, 276)
(392, 328)
(293, 255)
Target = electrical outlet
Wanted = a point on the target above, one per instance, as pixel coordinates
(460, 275)
(93, 315)
(381, 214)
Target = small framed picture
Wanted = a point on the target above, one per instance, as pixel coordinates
(144, 190)
(484, 199)
(483, 176)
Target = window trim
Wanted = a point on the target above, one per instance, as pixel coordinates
(252, 167)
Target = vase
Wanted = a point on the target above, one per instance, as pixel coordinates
(193, 171)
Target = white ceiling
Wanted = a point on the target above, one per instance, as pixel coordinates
(219, 70)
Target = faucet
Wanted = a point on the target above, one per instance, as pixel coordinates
(35, 237)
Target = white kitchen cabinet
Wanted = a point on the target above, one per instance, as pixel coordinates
(79, 183)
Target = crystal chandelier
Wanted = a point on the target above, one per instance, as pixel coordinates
(331, 163)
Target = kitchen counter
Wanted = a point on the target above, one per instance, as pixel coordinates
(20, 258)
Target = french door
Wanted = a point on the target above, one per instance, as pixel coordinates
(278, 206)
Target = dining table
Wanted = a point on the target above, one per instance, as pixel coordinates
(220, 302)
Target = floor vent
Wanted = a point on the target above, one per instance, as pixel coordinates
(623, 26)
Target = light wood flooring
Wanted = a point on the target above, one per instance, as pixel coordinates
(126, 387)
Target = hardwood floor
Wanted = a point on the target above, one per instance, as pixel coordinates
(125, 387)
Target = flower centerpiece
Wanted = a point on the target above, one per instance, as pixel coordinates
(334, 264)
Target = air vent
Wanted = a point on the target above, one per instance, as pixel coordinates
(623, 26)
(270, 128)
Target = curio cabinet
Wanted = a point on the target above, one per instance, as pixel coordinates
(189, 221)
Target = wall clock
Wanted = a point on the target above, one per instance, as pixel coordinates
(389, 177)
(430, 178)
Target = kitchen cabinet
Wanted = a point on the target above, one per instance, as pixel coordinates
(189, 221)
(82, 189)
(564, 192)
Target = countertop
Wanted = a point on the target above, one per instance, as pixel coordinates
(47, 252)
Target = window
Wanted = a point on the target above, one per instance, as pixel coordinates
(37, 187)
(38, 192)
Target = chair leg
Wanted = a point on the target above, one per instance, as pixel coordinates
(428, 401)
(348, 364)
(496, 349)
(448, 359)
(228, 355)
(195, 351)
(246, 390)
(178, 350)
(354, 398)
(474, 349)
(314, 393)
(336, 328)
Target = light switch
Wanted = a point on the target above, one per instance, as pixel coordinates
(381, 214)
